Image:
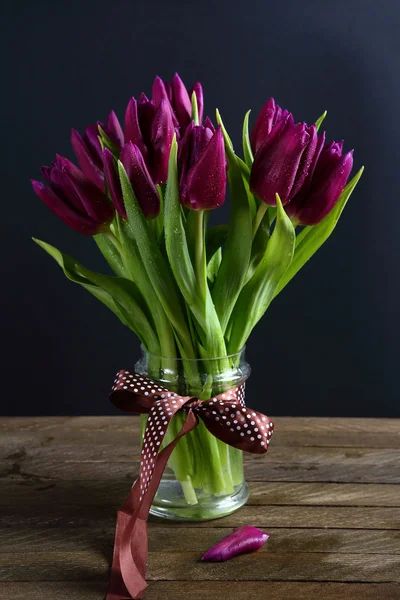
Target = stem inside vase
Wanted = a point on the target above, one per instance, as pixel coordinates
(203, 470)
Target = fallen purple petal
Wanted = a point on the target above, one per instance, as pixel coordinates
(241, 541)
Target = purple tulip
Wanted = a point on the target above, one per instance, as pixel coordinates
(163, 91)
(282, 161)
(142, 184)
(269, 115)
(202, 167)
(180, 100)
(320, 194)
(113, 182)
(150, 127)
(74, 198)
(242, 541)
(198, 90)
(88, 148)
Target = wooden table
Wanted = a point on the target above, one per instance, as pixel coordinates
(328, 493)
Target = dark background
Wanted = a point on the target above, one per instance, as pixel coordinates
(328, 346)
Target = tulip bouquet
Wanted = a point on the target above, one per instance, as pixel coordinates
(191, 291)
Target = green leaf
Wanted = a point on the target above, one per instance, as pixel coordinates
(154, 262)
(259, 291)
(311, 238)
(236, 256)
(137, 272)
(213, 265)
(198, 301)
(195, 109)
(260, 243)
(158, 222)
(228, 141)
(176, 241)
(319, 121)
(246, 180)
(110, 253)
(120, 295)
(247, 151)
(108, 143)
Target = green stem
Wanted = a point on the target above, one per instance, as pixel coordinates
(200, 254)
(259, 217)
(114, 240)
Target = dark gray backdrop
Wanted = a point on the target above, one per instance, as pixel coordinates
(329, 345)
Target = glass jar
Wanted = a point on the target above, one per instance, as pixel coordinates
(204, 478)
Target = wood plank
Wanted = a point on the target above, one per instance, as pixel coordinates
(115, 430)
(210, 590)
(17, 490)
(332, 517)
(165, 539)
(328, 494)
(287, 566)
(186, 566)
(83, 462)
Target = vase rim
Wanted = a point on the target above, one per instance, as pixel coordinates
(200, 359)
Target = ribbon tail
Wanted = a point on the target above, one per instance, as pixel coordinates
(117, 589)
(131, 541)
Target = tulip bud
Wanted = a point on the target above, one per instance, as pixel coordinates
(114, 130)
(133, 132)
(113, 182)
(181, 102)
(88, 157)
(74, 198)
(269, 115)
(162, 134)
(151, 129)
(202, 168)
(329, 177)
(164, 91)
(88, 148)
(198, 90)
(141, 181)
(279, 165)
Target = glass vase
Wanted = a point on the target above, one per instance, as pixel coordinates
(204, 477)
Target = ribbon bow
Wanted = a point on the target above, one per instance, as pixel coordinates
(225, 416)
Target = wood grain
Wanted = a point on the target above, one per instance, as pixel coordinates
(17, 489)
(337, 465)
(210, 590)
(166, 538)
(328, 492)
(43, 515)
(186, 566)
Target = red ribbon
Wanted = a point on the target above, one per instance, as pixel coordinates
(225, 416)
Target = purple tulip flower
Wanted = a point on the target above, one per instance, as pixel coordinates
(269, 115)
(74, 198)
(150, 127)
(141, 181)
(202, 167)
(242, 541)
(180, 100)
(88, 148)
(283, 160)
(198, 90)
(320, 193)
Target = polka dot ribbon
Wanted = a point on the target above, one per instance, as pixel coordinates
(225, 416)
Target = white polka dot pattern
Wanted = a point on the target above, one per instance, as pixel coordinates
(225, 416)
